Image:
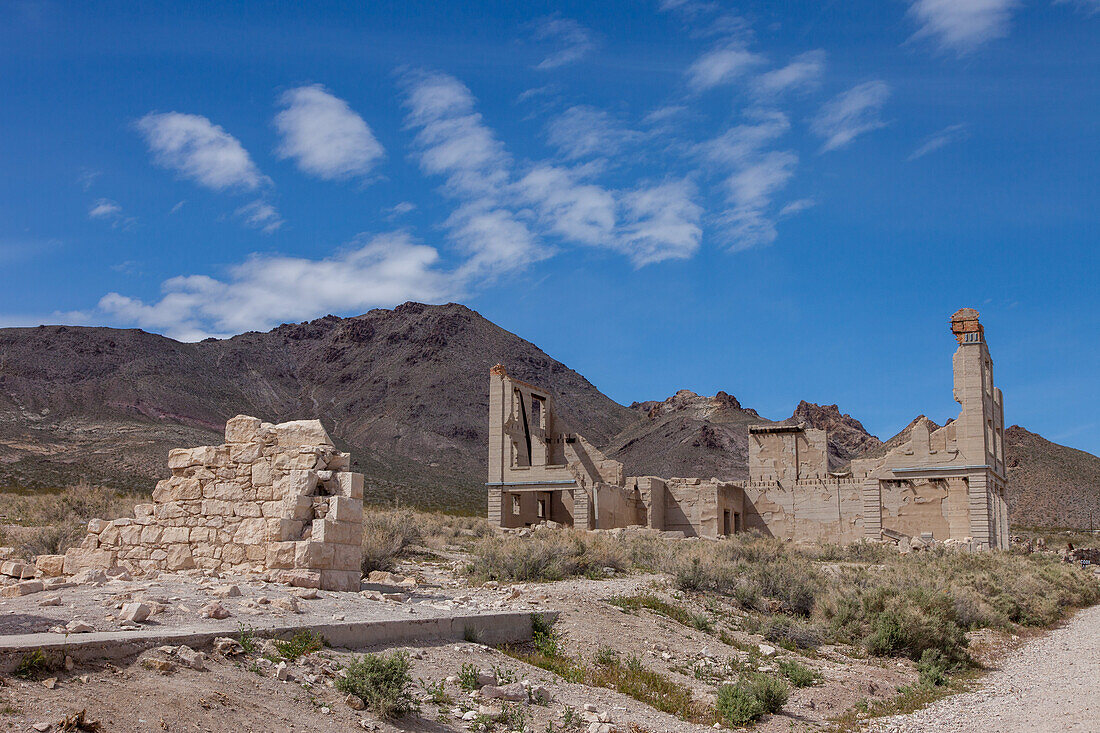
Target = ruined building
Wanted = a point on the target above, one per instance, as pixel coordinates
(944, 484)
(275, 499)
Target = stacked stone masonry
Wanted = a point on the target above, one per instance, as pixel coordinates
(946, 484)
(276, 499)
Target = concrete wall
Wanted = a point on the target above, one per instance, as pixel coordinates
(826, 510)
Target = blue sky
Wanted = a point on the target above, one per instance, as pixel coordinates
(782, 200)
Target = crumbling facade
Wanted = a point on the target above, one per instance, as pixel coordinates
(945, 485)
(539, 472)
(276, 499)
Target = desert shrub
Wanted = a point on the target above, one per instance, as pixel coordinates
(933, 667)
(303, 642)
(382, 682)
(749, 699)
(789, 634)
(32, 664)
(468, 677)
(386, 535)
(798, 674)
(548, 556)
(544, 637)
(606, 655)
(51, 539)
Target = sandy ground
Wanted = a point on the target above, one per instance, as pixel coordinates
(1050, 683)
(240, 693)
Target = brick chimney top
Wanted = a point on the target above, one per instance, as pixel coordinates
(964, 321)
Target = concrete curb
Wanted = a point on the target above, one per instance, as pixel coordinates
(505, 627)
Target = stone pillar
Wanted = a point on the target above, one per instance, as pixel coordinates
(980, 502)
(872, 509)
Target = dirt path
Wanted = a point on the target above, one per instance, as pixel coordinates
(1051, 683)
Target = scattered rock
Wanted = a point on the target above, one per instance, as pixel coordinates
(227, 646)
(280, 671)
(306, 594)
(354, 702)
(76, 626)
(49, 683)
(23, 589)
(50, 601)
(287, 603)
(191, 658)
(514, 692)
(226, 591)
(135, 612)
(163, 666)
(214, 610)
(767, 650)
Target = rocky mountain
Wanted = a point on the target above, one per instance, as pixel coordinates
(405, 391)
(687, 435)
(1050, 485)
(848, 438)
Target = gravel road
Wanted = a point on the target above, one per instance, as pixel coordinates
(1051, 683)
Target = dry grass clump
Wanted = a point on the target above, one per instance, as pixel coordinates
(899, 605)
(552, 555)
(48, 523)
(390, 533)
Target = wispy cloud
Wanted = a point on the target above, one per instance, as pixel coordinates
(568, 207)
(324, 135)
(796, 207)
(583, 131)
(572, 41)
(109, 211)
(802, 73)
(104, 209)
(399, 209)
(260, 215)
(753, 173)
(962, 25)
(453, 141)
(1089, 6)
(721, 65)
(946, 136)
(850, 114)
(661, 223)
(200, 150)
(267, 290)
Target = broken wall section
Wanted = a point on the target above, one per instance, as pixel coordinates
(273, 498)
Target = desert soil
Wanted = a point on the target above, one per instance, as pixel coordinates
(1049, 683)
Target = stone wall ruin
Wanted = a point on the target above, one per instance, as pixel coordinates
(275, 499)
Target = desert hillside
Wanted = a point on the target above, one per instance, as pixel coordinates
(405, 391)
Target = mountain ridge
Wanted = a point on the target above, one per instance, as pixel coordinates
(405, 391)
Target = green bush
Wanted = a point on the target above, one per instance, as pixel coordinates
(303, 642)
(748, 700)
(544, 637)
(382, 682)
(933, 667)
(798, 674)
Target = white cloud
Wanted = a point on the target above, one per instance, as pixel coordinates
(104, 209)
(1089, 6)
(399, 209)
(962, 25)
(796, 207)
(803, 72)
(662, 223)
(753, 175)
(503, 218)
(453, 141)
(267, 290)
(850, 114)
(260, 215)
(946, 136)
(583, 131)
(200, 150)
(324, 136)
(576, 211)
(721, 66)
(572, 39)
